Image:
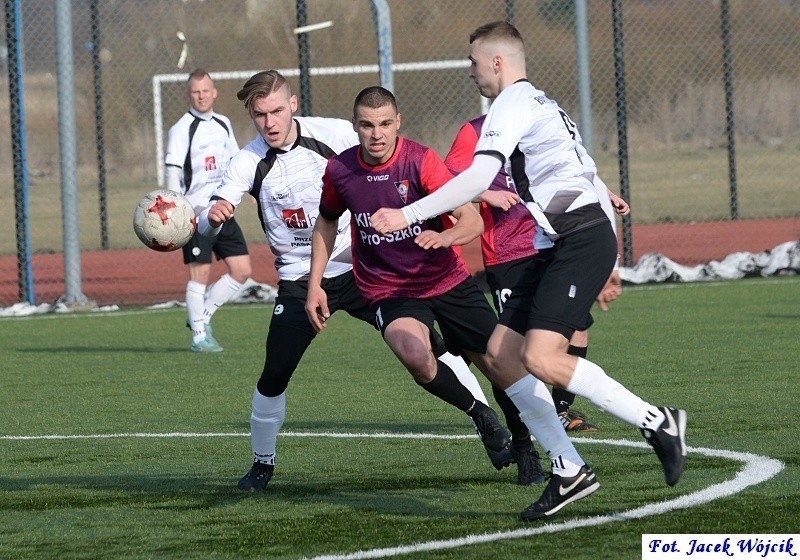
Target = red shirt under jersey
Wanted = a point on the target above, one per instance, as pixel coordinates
(507, 234)
(389, 266)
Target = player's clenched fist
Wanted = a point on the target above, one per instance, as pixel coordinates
(387, 220)
(219, 213)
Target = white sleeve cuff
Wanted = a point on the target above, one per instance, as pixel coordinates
(204, 227)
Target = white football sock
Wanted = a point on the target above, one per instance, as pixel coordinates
(220, 293)
(266, 418)
(195, 302)
(609, 395)
(536, 409)
(464, 374)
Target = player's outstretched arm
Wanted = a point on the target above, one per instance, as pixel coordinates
(322, 240)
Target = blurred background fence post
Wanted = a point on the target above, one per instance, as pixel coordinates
(16, 96)
(67, 140)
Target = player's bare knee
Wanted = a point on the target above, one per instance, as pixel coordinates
(419, 361)
(241, 273)
(538, 365)
(497, 368)
(241, 278)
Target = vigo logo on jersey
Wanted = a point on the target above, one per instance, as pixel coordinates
(295, 218)
(374, 178)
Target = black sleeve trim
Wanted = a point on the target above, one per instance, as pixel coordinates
(328, 215)
(493, 153)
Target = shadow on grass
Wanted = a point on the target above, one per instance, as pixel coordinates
(111, 349)
(426, 495)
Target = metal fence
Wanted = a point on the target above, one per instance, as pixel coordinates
(693, 109)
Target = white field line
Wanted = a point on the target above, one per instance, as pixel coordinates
(756, 469)
(156, 435)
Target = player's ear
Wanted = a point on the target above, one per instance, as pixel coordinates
(399, 120)
(293, 103)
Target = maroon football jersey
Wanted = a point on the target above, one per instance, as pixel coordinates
(392, 265)
(507, 234)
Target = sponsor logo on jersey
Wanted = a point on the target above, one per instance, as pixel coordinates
(210, 163)
(402, 189)
(280, 195)
(374, 178)
(295, 218)
(400, 235)
(367, 238)
(490, 133)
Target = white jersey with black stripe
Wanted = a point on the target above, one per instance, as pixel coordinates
(213, 144)
(541, 149)
(288, 192)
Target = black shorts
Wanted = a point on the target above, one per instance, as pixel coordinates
(559, 286)
(229, 242)
(290, 303)
(464, 316)
(501, 279)
(290, 331)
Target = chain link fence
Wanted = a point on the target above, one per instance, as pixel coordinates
(702, 93)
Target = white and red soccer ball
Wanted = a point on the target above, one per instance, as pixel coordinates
(164, 220)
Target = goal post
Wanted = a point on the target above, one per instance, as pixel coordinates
(159, 79)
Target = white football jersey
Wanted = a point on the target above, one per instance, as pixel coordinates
(542, 151)
(287, 185)
(212, 146)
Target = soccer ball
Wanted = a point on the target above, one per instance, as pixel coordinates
(164, 220)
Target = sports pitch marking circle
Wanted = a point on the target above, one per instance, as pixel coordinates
(756, 469)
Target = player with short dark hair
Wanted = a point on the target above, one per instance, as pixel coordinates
(412, 278)
(282, 169)
(536, 141)
(199, 146)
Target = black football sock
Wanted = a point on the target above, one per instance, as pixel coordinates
(447, 387)
(562, 397)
